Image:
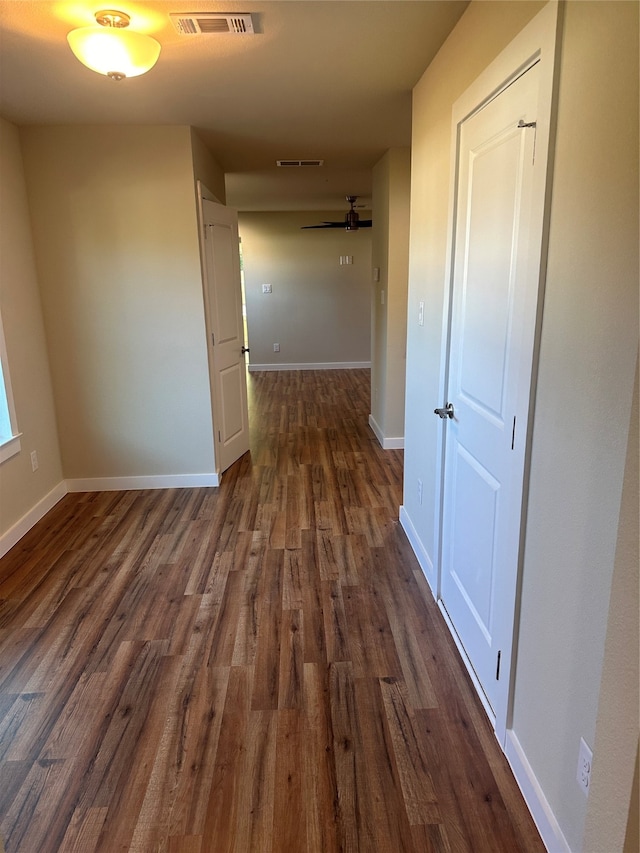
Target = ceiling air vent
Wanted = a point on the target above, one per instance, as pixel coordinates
(197, 23)
(300, 162)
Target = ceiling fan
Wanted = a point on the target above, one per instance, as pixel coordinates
(352, 221)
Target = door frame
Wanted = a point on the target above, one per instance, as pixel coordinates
(539, 42)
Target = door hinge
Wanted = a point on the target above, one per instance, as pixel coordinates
(534, 125)
(213, 340)
(513, 433)
(498, 667)
(219, 437)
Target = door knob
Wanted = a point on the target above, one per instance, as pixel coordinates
(244, 349)
(445, 412)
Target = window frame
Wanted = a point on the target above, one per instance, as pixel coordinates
(9, 446)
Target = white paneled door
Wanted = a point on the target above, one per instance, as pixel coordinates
(223, 300)
(494, 279)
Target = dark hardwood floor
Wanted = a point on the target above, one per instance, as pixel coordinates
(258, 667)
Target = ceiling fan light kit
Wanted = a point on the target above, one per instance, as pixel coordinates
(352, 219)
(111, 49)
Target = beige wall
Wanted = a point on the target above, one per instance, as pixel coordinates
(459, 62)
(632, 835)
(206, 169)
(116, 239)
(390, 254)
(20, 488)
(611, 804)
(318, 311)
(587, 358)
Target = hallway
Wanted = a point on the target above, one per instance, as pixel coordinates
(258, 667)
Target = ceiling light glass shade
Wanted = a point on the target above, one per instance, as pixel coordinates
(117, 53)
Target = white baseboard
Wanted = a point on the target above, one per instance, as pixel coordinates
(543, 816)
(420, 551)
(373, 423)
(321, 365)
(160, 481)
(385, 443)
(100, 484)
(24, 525)
(537, 803)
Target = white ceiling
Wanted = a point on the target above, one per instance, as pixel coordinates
(328, 79)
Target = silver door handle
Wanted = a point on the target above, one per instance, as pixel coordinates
(445, 412)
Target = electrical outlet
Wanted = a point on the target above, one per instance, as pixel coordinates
(585, 762)
(420, 491)
(34, 460)
(276, 347)
(266, 288)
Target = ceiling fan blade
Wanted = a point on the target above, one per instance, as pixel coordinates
(363, 223)
(325, 225)
(352, 221)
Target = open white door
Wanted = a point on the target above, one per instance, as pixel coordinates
(495, 274)
(223, 303)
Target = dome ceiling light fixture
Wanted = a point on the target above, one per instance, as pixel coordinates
(113, 50)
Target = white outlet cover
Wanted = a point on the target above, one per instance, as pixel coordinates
(585, 763)
(266, 288)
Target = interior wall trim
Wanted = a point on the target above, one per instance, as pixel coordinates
(319, 365)
(15, 533)
(424, 560)
(154, 481)
(100, 484)
(537, 803)
(386, 442)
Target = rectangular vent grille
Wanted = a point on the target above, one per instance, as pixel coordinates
(207, 23)
(300, 162)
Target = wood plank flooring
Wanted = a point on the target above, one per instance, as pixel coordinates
(257, 667)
